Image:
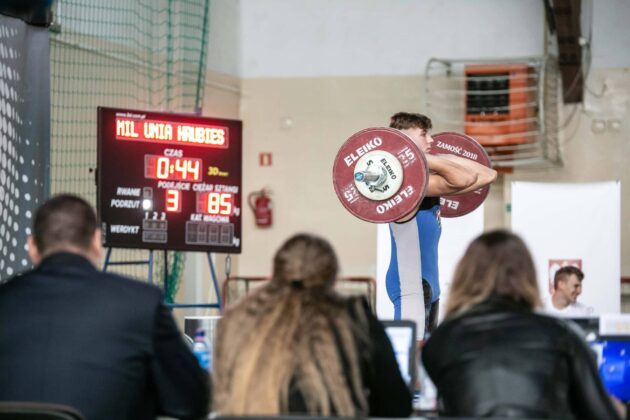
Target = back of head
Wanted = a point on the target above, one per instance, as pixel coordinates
(496, 263)
(305, 261)
(407, 120)
(291, 336)
(64, 221)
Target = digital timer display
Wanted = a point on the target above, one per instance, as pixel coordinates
(180, 169)
(169, 181)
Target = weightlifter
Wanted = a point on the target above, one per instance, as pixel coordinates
(412, 277)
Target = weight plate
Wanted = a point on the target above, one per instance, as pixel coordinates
(466, 147)
(389, 150)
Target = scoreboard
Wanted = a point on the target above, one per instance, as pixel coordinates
(169, 181)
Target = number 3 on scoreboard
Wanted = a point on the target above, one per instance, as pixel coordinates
(173, 201)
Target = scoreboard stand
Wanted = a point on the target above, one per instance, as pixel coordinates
(169, 182)
(218, 304)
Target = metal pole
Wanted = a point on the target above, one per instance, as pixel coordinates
(202, 59)
(194, 305)
(214, 280)
(166, 285)
(109, 253)
(150, 276)
(169, 57)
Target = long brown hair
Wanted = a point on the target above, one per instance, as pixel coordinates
(496, 263)
(290, 333)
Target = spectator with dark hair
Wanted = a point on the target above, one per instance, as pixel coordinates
(494, 356)
(295, 346)
(567, 287)
(101, 343)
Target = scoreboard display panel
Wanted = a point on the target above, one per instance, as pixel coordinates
(169, 181)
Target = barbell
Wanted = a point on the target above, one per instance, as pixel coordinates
(380, 175)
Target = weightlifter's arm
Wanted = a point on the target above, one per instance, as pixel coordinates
(447, 177)
(485, 175)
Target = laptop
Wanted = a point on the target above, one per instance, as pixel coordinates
(589, 327)
(402, 335)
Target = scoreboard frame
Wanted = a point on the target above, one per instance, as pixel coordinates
(168, 181)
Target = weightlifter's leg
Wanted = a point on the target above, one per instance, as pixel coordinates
(404, 279)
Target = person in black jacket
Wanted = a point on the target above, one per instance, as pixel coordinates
(494, 356)
(101, 343)
(294, 346)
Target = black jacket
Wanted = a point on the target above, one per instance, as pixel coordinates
(501, 359)
(98, 342)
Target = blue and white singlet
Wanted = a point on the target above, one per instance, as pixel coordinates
(408, 264)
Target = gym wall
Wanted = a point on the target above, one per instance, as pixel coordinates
(311, 77)
(304, 75)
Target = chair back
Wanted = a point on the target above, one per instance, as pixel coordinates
(28, 410)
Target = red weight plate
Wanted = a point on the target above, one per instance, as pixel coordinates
(466, 147)
(415, 175)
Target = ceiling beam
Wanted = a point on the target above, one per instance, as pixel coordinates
(564, 20)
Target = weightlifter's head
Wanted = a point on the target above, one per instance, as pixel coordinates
(416, 126)
(65, 223)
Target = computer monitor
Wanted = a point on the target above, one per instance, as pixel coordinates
(402, 335)
(609, 339)
(589, 327)
(613, 360)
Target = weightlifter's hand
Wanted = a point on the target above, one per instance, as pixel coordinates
(483, 174)
(447, 177)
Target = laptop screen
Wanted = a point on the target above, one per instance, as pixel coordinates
(613, 360)
(402, 335)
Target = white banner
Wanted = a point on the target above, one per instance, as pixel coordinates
(457, 233)
(575, 224)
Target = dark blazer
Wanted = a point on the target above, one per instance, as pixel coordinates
(501, 359)
(98, 342)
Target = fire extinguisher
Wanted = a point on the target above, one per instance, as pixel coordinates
(260, 203)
